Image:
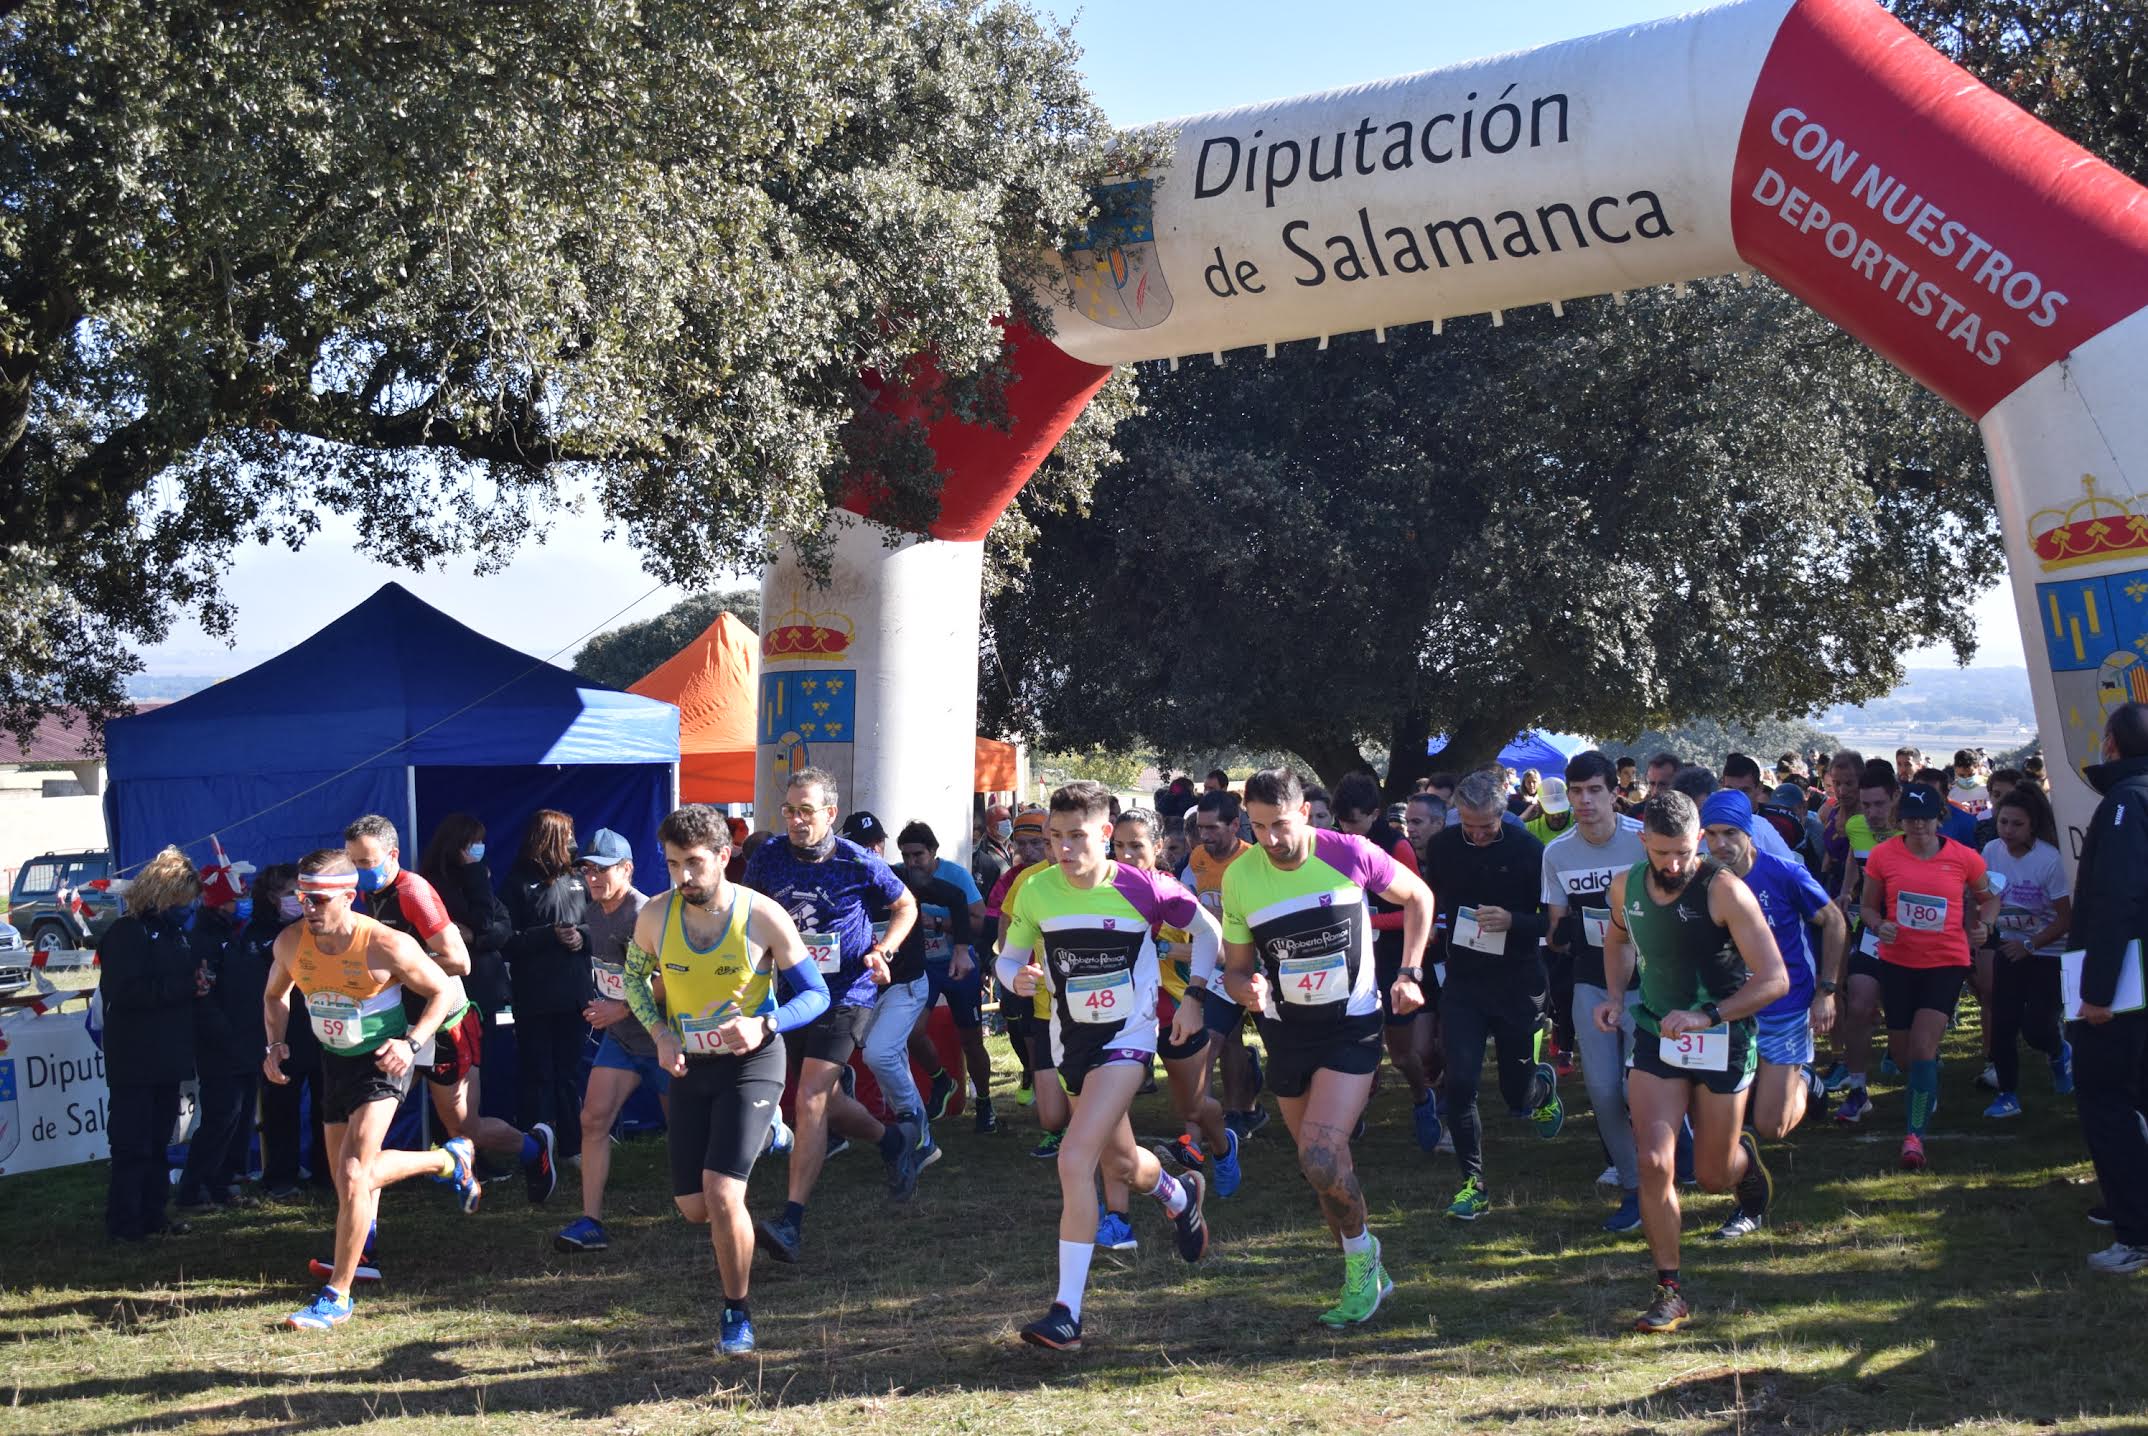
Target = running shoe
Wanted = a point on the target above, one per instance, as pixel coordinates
(1888, 1069)
(329, 1308)
(836, 1146)
(1189, 1226)
(1187, 1153)
(780, 1238)
(736, 1338)
(1048, 1149)
(1913, 1153)
(1256, 1118)
(1740, 1223)
(462, 1172)
(1550, 1114)
(942, 1093)
(1628, 1216)
(904, 1166)
(928, 1151)
(1113, 1233)
(1470, 1203)
(2062, 1070)
(780, 1139)
(1365, 1286)
(987, 1120)
(1756, 1189)
(1988, 1079)
(1424, 1116)
(1853, 1108)
(583, 1234)
(1227, 1171)
(369, 1268)
(2099, 1216)
(1026, 1097)
(1446, 1142)
(2008, 1105)
(1666, 1312)
(1057, 1330)
(2118, 1258)
(1608, 1177)
(541, 1175)
(1838, 1077)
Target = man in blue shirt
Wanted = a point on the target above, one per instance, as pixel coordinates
(951, 971)
(1792, 900)
(829, 885)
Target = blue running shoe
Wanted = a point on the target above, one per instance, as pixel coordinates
(780, 1139)
(737, 1337)
(540, 1175)
(1425, 1115)
(779, 1238)
(1854, 1107)
(1837, 1078)
(462, 1173)
(1058, 1330)
(584, 1234)
(1888, 1069)
(2007, 1105)
(2062, 1070)
(928, 1151)
(1113, 1233)
(1628, 1216)
(1228, 1173)
(330, 1308)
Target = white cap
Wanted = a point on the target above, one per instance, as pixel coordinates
(1551, 796)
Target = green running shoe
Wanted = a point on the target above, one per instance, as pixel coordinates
(1470, 1203)
(1365, 1286)
(1550, 1117)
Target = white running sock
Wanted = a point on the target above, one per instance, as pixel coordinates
(1074, 1275)
(1171, 1193)
(1359, 1245)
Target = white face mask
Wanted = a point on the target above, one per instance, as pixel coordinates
(289, 908)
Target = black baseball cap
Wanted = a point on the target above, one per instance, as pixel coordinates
(1921, 800)
(864, 829)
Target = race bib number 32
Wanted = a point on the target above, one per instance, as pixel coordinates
(1310, 981)
(826, 950)
(1707, 1050)
(1101, 998)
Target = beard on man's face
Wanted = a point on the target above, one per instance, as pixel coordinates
(1673, 884)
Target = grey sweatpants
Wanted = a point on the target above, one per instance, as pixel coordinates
(1603, 1071)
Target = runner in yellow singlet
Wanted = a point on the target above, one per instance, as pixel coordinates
(717, 947)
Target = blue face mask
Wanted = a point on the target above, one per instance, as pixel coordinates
(475, 853)
(242, 911)
(373, 879)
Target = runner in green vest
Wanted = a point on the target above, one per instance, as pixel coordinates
(1707, 964)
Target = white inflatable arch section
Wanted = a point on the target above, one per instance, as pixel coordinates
(1818, 142)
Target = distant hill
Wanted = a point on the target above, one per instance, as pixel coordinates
(1935, 708)
(168, 686)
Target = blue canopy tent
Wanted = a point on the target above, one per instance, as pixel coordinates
(396, 709)
(1545, 752)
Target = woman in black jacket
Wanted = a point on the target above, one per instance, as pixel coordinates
(151, 976)
(454, 863)
(548, 958)
(228, 1043)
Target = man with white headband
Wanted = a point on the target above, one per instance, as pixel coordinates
(352, 973)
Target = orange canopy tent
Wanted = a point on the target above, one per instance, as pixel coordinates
(713, 682)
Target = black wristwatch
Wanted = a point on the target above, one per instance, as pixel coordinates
(1414, 974)
(1830, 988)
(1713, 1013)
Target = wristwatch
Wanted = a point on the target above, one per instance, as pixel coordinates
(1414, 974)
(1713, 1013)
(1830, 988)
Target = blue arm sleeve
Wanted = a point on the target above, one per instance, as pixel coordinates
(808, 999)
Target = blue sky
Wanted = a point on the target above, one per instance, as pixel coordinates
(1146, 60)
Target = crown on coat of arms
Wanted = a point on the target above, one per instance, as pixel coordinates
(2095, 529)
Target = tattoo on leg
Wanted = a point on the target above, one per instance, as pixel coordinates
(1324, 1157)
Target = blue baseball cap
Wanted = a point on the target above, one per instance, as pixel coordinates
(604, 848)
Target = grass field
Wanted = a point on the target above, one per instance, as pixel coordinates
(1876, 1301)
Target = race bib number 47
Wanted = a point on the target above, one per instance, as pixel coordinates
(1310, 981)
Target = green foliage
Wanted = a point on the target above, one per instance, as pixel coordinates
(630, 652)
(1118, 770)
(1596, 523)
(1707, 741)
(450, 266)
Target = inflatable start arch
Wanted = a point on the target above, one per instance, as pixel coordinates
(1818, 142)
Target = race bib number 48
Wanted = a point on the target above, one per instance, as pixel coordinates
(1920, 912)
(1101, 998)
(1707, 1050)
(1310, 981)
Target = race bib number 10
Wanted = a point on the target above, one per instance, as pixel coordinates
(699, 1036)
(1101, 998)
(1310, 981)
(1707, 1050)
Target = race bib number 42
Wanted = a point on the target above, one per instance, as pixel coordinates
(611, 981)
(1101, 998)
(1707, 1050)
(826, 950)
(1310, 981)
(1920, 912)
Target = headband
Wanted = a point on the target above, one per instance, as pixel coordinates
(328, 882)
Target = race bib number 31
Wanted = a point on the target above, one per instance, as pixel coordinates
(1920, 912)
(1310, 981)
(1707, 1050)
(826, 950)
(1101, 998)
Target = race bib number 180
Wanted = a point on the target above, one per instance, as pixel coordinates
(1309, 981)
(1920, 912)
